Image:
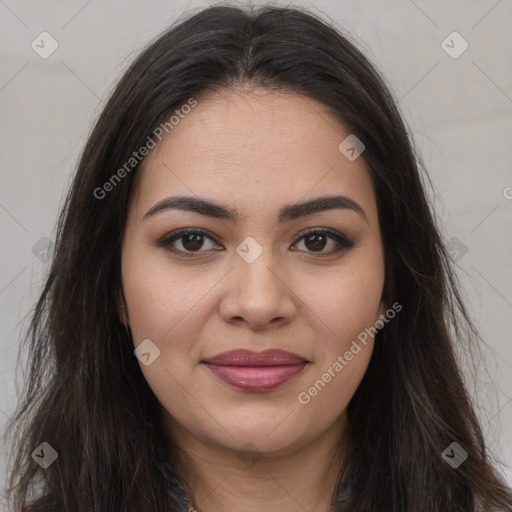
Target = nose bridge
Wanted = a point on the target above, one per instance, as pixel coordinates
(258, 292)
(257, 266)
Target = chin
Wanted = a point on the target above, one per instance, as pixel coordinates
(265, 436)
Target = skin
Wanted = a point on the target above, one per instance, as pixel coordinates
(256, 151)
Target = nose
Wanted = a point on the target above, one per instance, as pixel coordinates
(259, 295)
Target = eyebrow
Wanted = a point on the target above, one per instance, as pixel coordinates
(286, 213)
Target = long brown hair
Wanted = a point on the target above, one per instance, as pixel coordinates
(85, 394)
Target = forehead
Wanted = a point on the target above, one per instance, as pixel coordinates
(257, 147)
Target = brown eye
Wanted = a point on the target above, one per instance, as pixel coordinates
(192, 242)
(186, 242)
(316, 241)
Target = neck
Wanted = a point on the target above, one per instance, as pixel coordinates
(220, 478)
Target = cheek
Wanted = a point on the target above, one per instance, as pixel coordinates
(169, 310)
(344, 302)
(346, 307)
(162, 301)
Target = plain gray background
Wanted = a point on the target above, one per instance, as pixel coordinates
(458, 107)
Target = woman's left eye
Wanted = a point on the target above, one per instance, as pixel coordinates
(315, 241)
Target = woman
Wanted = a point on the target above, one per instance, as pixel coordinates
(250, 304)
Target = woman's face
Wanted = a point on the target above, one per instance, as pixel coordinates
(254, 280)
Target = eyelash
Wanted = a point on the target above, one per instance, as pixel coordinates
(166, 242)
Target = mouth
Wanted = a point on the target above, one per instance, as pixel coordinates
(256, 371)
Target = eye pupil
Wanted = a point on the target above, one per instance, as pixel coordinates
(196, 240)
(318, 242)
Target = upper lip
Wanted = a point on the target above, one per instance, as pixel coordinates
(243, 357)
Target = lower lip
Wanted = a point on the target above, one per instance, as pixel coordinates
(258, 378)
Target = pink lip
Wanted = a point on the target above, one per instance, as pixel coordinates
(256, 371)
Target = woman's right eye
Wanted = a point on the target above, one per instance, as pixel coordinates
(191, 241)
